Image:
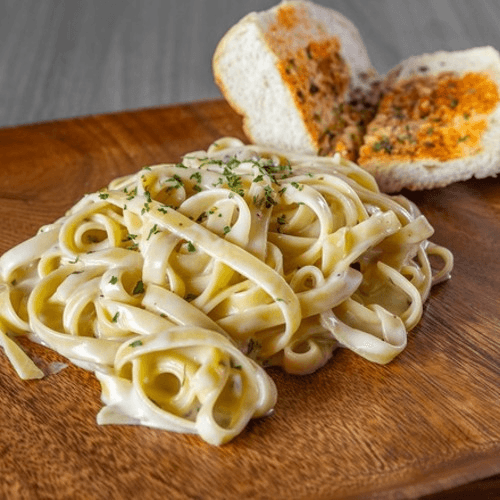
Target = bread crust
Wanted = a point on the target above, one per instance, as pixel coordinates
(248, 69)
(431, 172)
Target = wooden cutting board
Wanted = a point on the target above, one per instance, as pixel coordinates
(428, 422)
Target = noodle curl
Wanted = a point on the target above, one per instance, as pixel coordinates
(179, 284)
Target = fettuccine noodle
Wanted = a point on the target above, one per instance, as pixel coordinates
(179, 284)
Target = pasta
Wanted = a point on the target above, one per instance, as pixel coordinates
(180, 284)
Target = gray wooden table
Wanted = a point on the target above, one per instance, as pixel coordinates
(68, 58)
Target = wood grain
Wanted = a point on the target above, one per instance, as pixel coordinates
(426, 424)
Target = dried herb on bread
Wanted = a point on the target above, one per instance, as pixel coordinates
(429, 122)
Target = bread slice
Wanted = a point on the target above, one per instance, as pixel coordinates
(300, 75)
(438, 121)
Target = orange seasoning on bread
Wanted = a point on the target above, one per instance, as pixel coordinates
(430, 117)
(319, 81)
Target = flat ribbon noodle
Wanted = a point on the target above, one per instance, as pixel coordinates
(178, 284)
(186, 379)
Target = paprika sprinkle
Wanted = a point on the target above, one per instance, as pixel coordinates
(430, 117)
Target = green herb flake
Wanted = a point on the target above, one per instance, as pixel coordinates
(139, 288)
(113, 280)
(115, 317)
(135, 343)
(191, 247)
(153, 230)
(383, 144)
(297, 186)
(269, 198)
(176, 182)
(196, 176)
(132, 194)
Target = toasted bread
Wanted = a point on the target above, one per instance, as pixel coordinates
(438, 122)
(300, 75)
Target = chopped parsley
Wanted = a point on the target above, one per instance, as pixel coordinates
(297, 186)
(153, 230)
(131, 237)
(196, 176)
(176, 182)
(139, 288)
(132, 194)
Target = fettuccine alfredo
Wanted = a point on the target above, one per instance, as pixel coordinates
(179, 284)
